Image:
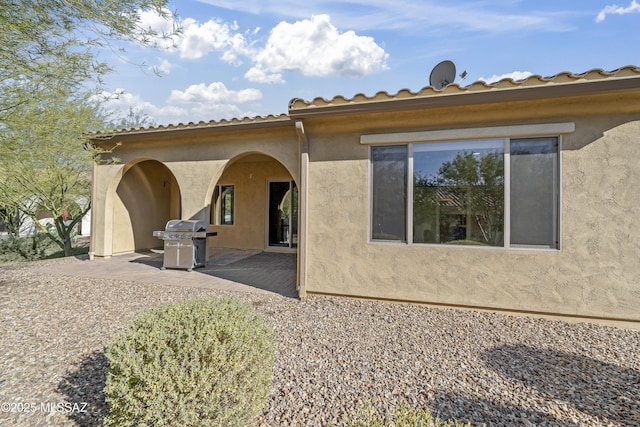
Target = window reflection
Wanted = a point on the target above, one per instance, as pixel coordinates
(389, 176)
(458, 194)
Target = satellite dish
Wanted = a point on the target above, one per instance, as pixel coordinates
(442, 74)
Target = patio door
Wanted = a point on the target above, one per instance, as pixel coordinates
(282, 214)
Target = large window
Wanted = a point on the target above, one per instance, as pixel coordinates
(488, 192)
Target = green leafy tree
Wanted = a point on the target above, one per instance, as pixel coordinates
(133, 119)
(52, 45)
(479, 181)
(49, 68)
(46, 167)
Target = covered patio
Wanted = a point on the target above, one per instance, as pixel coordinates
(227, 269)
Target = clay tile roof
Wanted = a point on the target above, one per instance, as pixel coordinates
(297, 105)
(258, 121)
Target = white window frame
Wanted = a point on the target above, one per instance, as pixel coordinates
(506, 133)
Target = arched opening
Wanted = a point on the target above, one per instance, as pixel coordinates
(145, 199)
(254, 205)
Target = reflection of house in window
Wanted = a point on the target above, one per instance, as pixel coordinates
(458, 192)
(223, 205)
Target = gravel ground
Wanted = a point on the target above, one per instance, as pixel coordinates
(335, 357)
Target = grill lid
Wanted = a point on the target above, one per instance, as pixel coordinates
(185, 225)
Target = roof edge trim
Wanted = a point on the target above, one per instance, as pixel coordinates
(469, 133)
(516, 93)
(269, 122)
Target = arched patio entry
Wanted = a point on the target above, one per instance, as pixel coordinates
(145, 198)
(254, 205)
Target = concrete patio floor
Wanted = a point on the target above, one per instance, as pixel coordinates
(233, 270)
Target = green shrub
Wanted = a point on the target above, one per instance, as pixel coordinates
(25, 248)
(35, 247)
(403, 416)
(193, 363)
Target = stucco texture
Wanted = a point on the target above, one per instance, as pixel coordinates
(594, 274)
(250, 178)
(150, 179)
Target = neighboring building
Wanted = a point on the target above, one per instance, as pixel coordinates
(28, 226)
(517, 196)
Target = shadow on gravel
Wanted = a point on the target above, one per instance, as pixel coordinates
(474, 409)
(599, 389)
(84, 388)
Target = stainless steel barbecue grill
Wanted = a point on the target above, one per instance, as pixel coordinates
(185, 243)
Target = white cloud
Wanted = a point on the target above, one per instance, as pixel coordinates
(162, 26)
(196, 39)
(260, 76)
(316, 48)
(119, 103)
(196, 103)
(218, 111)
(618, 10)
(202, 39)
(312, 47)
(516, 75)
(164, 67)
(215, 93)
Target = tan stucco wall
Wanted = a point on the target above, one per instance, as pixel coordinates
(195, 162)
(144, 201)
(250, 180)
(595, 274)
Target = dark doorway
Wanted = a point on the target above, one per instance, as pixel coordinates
(283, 214)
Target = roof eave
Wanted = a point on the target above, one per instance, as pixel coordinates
(281, 121)
(556, 90)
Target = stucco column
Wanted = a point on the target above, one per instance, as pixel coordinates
(302, 209)
(92, 233)
(105, 180)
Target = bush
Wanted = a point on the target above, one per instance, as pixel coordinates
(193, 363)
(403, 416)
(34, 248)
(25, 248)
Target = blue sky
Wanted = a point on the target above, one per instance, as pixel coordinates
(247, 58)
